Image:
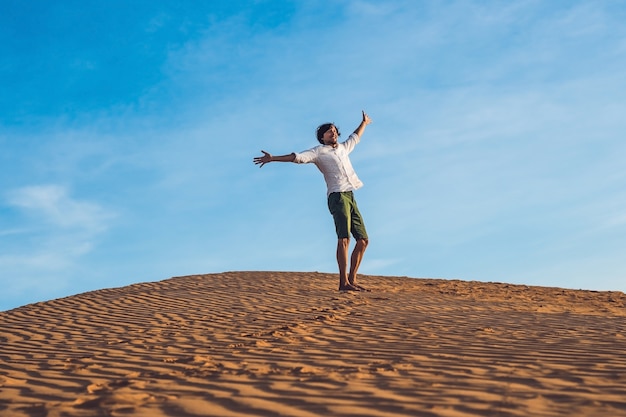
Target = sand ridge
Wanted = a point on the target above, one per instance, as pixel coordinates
(289, 344)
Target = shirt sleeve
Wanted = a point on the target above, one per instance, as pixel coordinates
(306, 157)
(351, 142)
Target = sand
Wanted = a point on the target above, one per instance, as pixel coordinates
(289, 344)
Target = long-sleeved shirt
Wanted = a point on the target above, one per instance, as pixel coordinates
(334, 164)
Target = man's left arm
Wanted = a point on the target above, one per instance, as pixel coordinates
(361, 128)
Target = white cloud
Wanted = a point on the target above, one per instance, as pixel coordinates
(53, 231)
(59, 209)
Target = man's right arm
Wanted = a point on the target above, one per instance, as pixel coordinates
(267, 158)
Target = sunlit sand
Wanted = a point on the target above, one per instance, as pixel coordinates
(289, 344)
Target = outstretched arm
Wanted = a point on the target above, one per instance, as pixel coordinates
(366, 120)
(267, 158)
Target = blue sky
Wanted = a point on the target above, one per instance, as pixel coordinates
(128, 129)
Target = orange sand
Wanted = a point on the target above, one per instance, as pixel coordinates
(289, 344)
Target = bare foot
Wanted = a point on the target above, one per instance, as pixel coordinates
(360, 287)
(348, 287)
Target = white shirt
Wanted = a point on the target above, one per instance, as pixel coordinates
(335, 164)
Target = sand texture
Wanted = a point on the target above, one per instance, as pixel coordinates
(289, 344)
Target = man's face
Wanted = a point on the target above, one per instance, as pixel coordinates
(330, 136)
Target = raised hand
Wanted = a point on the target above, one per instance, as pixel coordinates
(366, 118)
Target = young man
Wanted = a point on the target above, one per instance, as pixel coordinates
(331, 157)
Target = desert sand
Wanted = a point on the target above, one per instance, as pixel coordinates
(290, 344)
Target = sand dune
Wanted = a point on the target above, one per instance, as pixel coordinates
(289, 344)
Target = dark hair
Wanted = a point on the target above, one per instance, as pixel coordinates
(321, 129)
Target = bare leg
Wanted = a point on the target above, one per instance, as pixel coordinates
(342, 261)
(355, 260)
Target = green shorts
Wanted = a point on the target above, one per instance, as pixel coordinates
(346, 214)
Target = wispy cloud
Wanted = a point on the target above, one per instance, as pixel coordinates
(52, 230)
(55, 206)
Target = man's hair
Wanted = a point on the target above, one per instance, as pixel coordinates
(321, 129)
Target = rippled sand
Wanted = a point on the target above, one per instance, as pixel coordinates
(289, 344)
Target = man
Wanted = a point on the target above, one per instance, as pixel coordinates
(331, 157)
